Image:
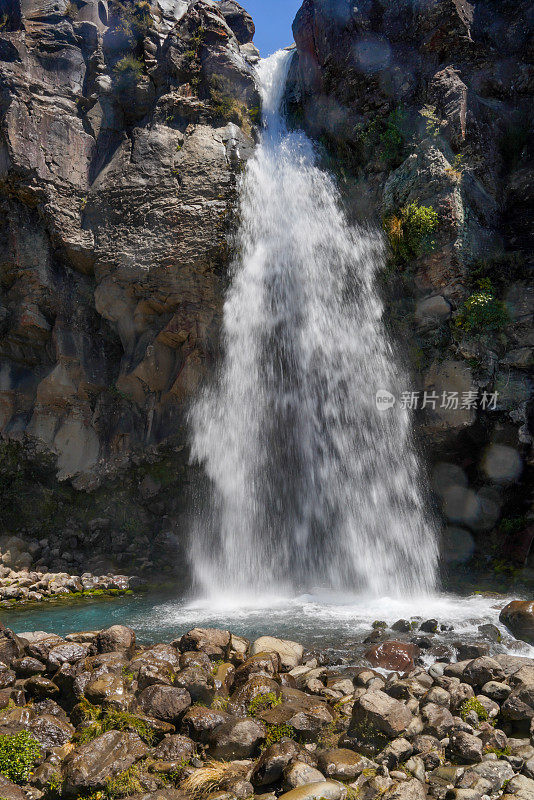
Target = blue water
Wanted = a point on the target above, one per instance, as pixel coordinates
(323, 620)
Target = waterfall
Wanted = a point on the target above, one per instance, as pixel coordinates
(310, 485)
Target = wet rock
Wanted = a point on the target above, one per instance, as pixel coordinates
(400, 656)
(41, 687)
(26, 667)
(199, 722)
(518, 616)
(409, 790)
(198, 682)
(51, 731)
(175, 748)
(68, 653)
(10, 791)
(307, 718)
(11, 647)
(165, 702)
(255, 686)
(211, 641)
(91, 765)
(116, 638)
(236, 738)
(261, 664)
(273, 760)
(519, 788)
(481, 670)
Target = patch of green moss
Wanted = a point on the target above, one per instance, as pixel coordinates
(275, 733)
(262, 702)
(472, 704)
(110, 720)
(19, 752)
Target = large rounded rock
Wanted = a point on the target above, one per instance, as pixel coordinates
(237, 738)
(167, 703)
(300, 774)
(290, 653)
(255, 687)
(329, 790)
(118, 637)
(51, 731)
(518, 616)
(267, 664)
(88, 768)
(342, 764)
(398, 656)
(212, 641)
(272, 762)
(175, 748)
(199, 722)
(377, 709)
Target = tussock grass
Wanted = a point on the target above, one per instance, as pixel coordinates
(206, 779)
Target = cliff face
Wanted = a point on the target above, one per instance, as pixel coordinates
(123, 125)
(424, 107)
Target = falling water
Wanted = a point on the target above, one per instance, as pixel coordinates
(311, 486)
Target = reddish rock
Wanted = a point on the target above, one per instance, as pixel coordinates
(518, 616)
(398, 656)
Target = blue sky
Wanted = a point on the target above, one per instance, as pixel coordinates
(273, 20)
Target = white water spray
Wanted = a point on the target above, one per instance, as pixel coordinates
(310, 484)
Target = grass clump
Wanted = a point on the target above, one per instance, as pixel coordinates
(262, 702)
(410, 232)
(101, 721)
(127, 783)
(472, 704)
(128, 68)
(206, 779)
(19, 752)
(482, 311)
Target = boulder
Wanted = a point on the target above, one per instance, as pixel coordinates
(51, 731)
(518, 616)
(199, 722)
(273, 761)
(237, 738)
(377, 709)
(393, 655)
(89, 767)
(329, 790)
(211, 641)
(465, 746)
(290, 653)
(299, 773)
(175, 748)
(342, 764)
(116, 638)
(167, 703)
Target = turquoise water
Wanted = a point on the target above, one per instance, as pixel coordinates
(335, 622)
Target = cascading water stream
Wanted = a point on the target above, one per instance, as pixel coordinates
(310, 485)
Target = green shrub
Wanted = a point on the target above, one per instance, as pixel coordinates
(19, 752)
(410, 231)
(392, 139)
(482, 311)
(128, 68)
(127, 783)
(133, 19)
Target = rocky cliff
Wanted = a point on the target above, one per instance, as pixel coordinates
(424, 109)
(123, 126)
